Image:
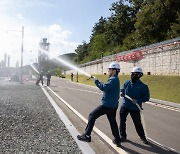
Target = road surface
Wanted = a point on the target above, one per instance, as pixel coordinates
(162, 124)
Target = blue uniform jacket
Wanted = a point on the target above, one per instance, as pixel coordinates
(111, 91)
(138, 91)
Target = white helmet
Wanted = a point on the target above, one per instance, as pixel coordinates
(114, 65)
(137, 70)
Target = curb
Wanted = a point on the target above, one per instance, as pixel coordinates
(84, 146)
(153, 100)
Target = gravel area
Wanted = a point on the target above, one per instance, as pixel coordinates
(29, 123)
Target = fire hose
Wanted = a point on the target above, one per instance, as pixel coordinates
(143, 123)
(140, 109)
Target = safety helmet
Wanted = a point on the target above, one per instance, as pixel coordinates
(137, 70)
(115, 65)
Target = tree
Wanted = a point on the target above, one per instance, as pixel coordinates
(132, 24)
(99, 27)
(155, 20)
(97, 46)
(121, 22)
(82, 52)
(174, 30)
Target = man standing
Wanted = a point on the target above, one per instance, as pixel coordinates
(72, 77)
(48, 78)
(40, 78)
(139, 92)
(109, 104)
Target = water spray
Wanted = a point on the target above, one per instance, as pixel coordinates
(34, 68)
(69, 64)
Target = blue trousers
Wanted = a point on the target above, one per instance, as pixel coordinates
(111, 115)
(136, 117)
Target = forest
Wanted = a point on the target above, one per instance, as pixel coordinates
(132, 24)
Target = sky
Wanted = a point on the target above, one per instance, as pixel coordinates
(66, 24)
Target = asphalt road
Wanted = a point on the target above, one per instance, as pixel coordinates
(162, 125)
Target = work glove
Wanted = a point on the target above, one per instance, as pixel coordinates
(93, 78)
(121, 94)
(134, 101)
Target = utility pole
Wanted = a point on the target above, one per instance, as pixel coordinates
(21, 80)
(77, 71)
(102, 61)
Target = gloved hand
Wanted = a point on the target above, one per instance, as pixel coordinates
(121, 94)
(134, 101)
(93, 78)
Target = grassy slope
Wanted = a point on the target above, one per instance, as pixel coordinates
(161, 87)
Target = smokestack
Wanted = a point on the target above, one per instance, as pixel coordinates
(17, 64)
(8, 60)
(5, 56)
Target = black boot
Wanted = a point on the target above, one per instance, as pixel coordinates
(84, 138)
(117, 143)
(123, 139)
(144, 140)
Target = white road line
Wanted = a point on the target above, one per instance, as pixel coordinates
(143, 122)
(100, 133)
(84, 146)
(150, 103)
(81, 90)
(164, 106)
(83, 85)
(162, 146)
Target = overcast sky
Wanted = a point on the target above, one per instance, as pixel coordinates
(66, 23)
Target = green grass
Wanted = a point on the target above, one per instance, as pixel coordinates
(161, 87)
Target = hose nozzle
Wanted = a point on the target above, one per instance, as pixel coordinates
(90, 78)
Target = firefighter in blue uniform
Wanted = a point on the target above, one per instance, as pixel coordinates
(109, 105)
(139, 92)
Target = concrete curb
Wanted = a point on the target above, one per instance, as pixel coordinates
(84, 146)
(153, 100)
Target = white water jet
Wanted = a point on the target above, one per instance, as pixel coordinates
(68, 64)
(34, 68)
